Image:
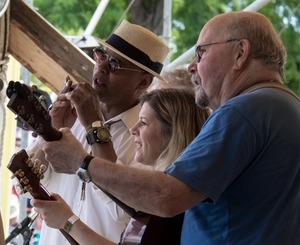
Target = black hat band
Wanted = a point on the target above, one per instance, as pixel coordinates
(133, 53)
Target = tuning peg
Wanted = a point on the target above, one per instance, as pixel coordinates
(19, 173)
(35, 169)
(46, 115)
(36, 166)
(24, 180)
(25, 126)
(42, 170)
(42, 98)
(31, 155)
(20, 189)
(40, 175)
(20, 110)
(38, 127)
(30, 119)
(29, 162)
(37, 162)
(34, 88)
(34, 134)
(28, 188)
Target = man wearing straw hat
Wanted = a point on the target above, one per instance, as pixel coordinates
(238, 181)
(100, 116)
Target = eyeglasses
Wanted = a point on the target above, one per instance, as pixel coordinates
(114, 64)
(199, 51)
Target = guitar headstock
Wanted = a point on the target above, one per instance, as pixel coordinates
(28, 173)
(30, 110)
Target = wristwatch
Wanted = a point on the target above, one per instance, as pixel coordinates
(70, 222)
(99, 133)
(82, 172)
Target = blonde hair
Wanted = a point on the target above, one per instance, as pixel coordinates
(178, 77)
(181, 120)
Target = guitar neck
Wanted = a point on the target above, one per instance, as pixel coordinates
(30, 111)
(42, 124)
(129, 210)
(29, 176)
(43, 194)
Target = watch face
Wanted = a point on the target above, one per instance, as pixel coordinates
(103, 134)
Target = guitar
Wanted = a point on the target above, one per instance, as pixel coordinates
(34, 116)
(29, 174)
(143, 228)
(30, 110)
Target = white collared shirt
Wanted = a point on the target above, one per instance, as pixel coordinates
(97, 210)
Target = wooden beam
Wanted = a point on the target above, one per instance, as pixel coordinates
(45, 52)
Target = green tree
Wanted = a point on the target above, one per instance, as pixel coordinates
(188, 16)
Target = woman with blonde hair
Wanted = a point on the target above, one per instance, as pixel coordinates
(168, 121)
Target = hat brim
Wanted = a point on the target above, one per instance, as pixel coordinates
(131, 60)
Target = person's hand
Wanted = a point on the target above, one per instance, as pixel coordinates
(54, 213)
(86, 101)
(66, 154)
(63, 113)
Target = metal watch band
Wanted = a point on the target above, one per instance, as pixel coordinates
(82, 172)
(86, 161)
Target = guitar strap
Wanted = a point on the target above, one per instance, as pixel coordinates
(271, 84)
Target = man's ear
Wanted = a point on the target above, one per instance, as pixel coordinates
(146, 81)
(244, 50)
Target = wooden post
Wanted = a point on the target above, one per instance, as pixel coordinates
(45, 52)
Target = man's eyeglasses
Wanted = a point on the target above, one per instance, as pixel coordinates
(100, 55)
(199, 51)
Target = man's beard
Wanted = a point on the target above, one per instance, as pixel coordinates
(201, 98)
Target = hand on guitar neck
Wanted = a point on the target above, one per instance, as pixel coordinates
(34, 116)
(151, 229)
(29, 173)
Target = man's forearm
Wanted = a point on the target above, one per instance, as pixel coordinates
(105, 151)
(149, 191)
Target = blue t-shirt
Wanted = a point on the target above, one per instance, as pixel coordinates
(246, 160)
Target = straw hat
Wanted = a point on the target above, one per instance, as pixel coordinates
(139, 46)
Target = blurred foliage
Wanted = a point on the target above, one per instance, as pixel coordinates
(71, 17)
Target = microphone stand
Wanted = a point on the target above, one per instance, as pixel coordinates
(24, 229)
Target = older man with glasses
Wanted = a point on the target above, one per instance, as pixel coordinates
(238, 181)
(100, 115)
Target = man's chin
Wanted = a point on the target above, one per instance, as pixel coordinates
(201, 99)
